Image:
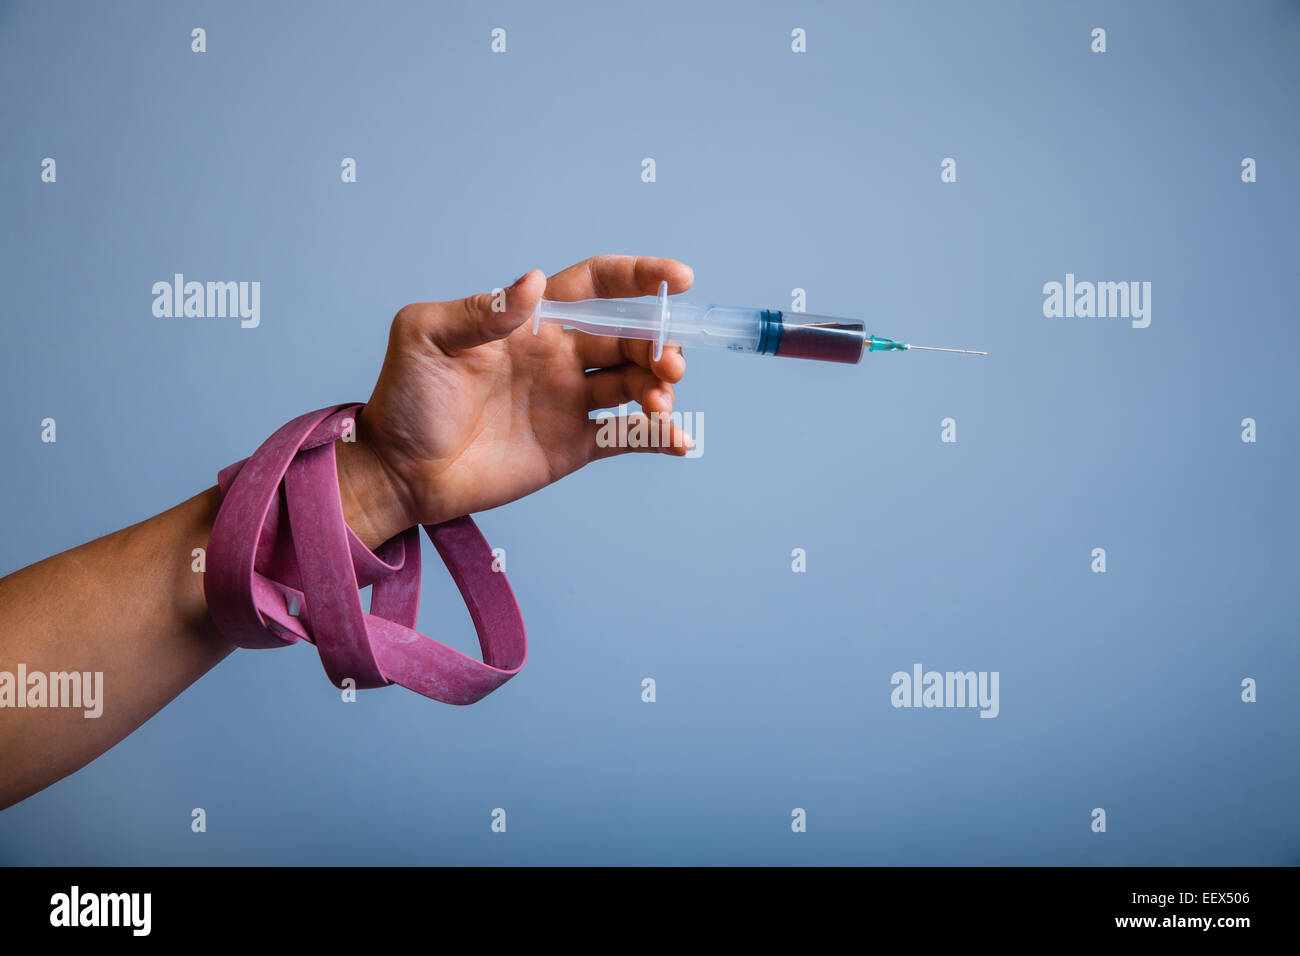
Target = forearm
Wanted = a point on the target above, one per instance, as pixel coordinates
(127, 606)
(130, 607)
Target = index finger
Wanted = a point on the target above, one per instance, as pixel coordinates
(618, 277)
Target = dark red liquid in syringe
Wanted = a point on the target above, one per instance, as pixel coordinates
(820, 339)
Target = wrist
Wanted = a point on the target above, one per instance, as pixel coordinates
(373, 505)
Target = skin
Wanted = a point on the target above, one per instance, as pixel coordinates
(471, 411)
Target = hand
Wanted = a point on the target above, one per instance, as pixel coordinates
(472, 410)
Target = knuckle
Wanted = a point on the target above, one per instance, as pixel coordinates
(408, 318)
(595, 269)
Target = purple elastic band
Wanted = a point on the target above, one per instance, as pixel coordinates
(276, 575)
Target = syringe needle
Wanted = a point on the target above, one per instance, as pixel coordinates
(931, 348)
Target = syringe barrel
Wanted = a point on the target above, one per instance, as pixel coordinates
(758, 331)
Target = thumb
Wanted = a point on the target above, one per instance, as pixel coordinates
(488, 316)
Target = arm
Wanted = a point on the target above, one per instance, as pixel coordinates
(471, 411)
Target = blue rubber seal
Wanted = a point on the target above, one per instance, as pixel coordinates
(769, 332)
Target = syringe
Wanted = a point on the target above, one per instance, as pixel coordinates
(666, 321)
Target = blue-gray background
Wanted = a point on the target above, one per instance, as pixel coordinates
(775, 171)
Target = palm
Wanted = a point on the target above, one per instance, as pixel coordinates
(494, 423)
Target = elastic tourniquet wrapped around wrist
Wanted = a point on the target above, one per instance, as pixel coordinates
(282, 565)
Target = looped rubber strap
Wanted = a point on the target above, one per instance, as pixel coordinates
(283, 566)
